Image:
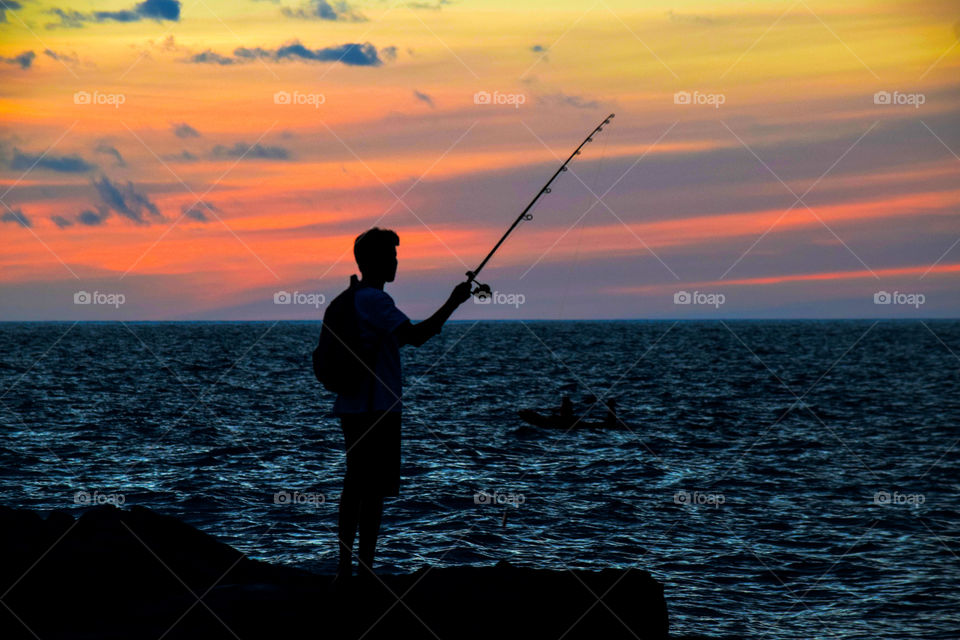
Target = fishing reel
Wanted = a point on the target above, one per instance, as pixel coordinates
(482, 292)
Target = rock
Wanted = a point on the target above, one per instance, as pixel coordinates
(115, 573)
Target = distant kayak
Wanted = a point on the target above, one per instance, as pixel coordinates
(555, 421)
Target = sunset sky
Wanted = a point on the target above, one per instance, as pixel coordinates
(198, 157)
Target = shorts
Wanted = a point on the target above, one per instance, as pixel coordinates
(372, 442)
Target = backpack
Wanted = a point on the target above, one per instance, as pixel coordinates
(341, 362)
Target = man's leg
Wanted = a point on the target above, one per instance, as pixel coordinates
(347, 527)
(371, 509)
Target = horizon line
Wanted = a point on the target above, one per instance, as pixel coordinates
(508, 320)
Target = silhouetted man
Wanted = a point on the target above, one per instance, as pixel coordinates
(370, 416)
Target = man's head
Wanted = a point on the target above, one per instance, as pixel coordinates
(376, 253)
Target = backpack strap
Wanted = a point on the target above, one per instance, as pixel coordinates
(372, 379)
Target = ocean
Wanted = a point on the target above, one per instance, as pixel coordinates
(782, 479)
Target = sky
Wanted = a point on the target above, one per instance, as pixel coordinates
(213, 160)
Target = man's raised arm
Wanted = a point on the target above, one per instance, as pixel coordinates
(417, 334)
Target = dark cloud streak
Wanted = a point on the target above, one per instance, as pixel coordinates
(255, 152)
(22, 161)
(24, 59)
(17, 216)
(126, 201)
(61, 57)
(427, 6)
(184, 130)
(106, 149)
(93, 218)
(61, 221)
(423, 97)
(350, 54)
(323, 10)
(158, 10)
(562, 99)
(199, 211)
(8, 5)
(183, 156)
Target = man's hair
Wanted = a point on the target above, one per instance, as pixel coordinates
(370, 246)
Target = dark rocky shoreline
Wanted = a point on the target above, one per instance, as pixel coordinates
(134, 573)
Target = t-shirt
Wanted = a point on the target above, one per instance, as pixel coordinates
(379, 318)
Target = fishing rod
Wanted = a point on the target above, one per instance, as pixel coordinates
(483, 290)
